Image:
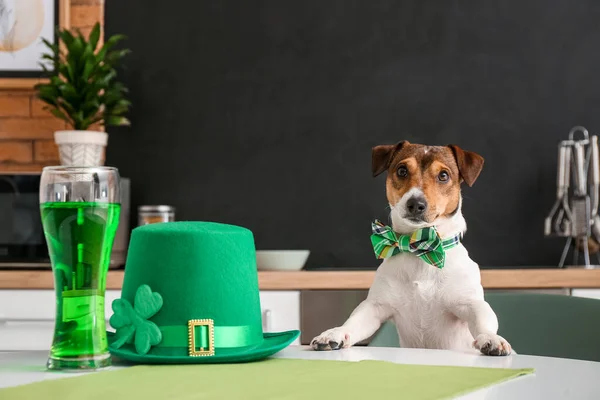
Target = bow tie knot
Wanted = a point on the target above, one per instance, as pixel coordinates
(424, 243)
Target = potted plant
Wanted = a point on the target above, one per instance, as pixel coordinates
(83, 90)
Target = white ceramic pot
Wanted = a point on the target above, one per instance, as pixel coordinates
(81, 148)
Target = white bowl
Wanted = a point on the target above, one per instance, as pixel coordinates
(281, 260)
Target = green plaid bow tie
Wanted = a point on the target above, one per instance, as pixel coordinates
(424, 243)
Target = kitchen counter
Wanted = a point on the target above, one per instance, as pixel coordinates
(348, 280)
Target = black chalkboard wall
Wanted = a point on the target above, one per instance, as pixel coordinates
(263, 114)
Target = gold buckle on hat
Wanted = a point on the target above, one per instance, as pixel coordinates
(210, 325)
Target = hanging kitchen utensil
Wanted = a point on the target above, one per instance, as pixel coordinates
(595, 165)
(574, 214)
(558, 221)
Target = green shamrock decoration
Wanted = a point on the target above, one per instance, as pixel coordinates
(131, 322)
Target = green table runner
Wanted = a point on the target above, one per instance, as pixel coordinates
(287, 379)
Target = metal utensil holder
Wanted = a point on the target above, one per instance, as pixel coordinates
(574, 214)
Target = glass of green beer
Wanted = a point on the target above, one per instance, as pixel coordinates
(80, 209)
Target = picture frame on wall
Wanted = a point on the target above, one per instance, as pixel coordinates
(23, 25)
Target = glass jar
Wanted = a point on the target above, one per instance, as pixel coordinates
(155, 214)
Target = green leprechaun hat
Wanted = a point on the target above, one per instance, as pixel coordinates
(190, 295)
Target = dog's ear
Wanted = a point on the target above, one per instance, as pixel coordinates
(469, 164)
(382, 156)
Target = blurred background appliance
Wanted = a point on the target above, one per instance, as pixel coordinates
(22, 242)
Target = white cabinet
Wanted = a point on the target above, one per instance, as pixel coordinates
(27, 316)
(280, 311)
(589, 293)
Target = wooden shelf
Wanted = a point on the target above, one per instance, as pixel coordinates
(346, 280)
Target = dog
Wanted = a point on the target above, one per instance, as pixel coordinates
(432, 308)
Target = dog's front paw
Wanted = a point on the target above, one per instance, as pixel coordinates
(333, 339)
(492, 345)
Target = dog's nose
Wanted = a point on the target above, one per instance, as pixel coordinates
(416, 206)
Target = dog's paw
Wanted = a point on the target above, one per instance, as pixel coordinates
(492, 345)
(332, 339)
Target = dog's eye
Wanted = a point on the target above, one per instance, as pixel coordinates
(443, 176)
(402, 171)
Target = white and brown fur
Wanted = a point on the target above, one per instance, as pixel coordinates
(431, 308)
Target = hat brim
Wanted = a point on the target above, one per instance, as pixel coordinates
(271, 344)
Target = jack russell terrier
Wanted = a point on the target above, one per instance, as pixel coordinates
(427, 284)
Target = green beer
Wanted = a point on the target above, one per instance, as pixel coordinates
(80, 237)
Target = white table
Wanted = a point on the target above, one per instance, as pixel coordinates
(555, 378)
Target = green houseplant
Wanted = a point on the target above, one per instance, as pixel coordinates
(83, 90)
